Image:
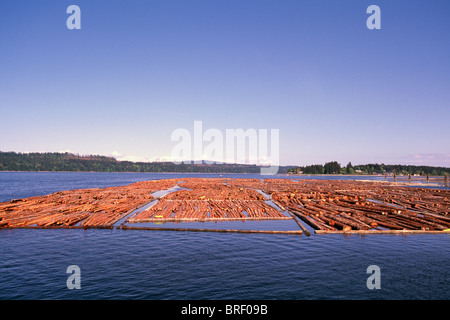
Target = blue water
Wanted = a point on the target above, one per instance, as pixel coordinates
(141, 264)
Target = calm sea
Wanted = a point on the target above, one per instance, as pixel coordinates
(157, 265)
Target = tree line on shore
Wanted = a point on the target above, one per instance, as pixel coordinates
(54, 161)
(334, 167)
(12, 161)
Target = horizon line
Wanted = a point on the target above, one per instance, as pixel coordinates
(192, 162)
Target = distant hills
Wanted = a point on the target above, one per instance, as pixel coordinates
(54, 161)
(12, 161)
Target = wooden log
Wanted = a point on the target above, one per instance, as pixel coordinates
(358, 223)
(309, 220)
(406, 222)
(382, 221)
(371, 222)
(422, 222)
(435, 220)
(444, 219)
(332, 221)
(302, 227)
(294, 232)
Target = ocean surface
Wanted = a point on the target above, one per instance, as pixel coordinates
(166, 265)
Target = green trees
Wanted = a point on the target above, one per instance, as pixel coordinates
(332, 168)
(313, 169)
(12, 161)
(350, 169)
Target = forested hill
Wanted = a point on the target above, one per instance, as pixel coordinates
(12, 161)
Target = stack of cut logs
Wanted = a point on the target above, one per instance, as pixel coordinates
(209, 200)
(208, 210)
(88, 208)
(357, 205)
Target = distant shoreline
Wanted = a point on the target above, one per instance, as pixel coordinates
(154, 172)
(68, 162)
(230, 173)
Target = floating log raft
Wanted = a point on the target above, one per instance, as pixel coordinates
(325, 205)
(86, 207)
(208, 210)
(344, 206)
(210, 200)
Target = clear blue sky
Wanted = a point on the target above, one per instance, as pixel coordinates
(138, 70)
